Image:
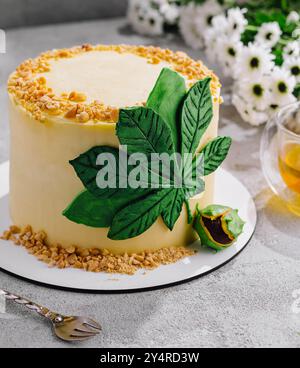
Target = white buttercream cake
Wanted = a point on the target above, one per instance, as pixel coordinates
(63, 103)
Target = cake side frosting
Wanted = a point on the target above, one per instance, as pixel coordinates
(43, 90)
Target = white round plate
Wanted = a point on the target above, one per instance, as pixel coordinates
(16, 260)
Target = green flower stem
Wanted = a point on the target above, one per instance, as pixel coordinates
(252, 28)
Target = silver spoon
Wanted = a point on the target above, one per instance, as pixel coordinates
(67, 328)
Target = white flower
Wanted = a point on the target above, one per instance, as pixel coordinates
(253, 61)
(248, 112)
(236, 22)
(232, 25)
(187, 26)
(292, 49)
(268, 34)
(219, 24)
(293, 17)
(228, 50)
(292, 65)
(211, 40)
(296, 33)
(256, 92)
(144, 19)
(170, 12)
(282, 85)
(205, 14)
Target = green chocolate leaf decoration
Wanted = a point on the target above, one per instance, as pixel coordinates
(215, 153)
(87, 169)
(144, 131)
(138, 217)
(171, 214)
(194, 184)
(91, 211)
(86, 209)
(173, 121)
(197, 114)
(166, 100)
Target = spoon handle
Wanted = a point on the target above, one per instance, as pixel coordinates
(43, 311)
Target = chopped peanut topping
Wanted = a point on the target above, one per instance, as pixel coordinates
(77, 97)
(90, 259)
(31, 91)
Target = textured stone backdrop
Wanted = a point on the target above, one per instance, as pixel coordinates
(18, 13)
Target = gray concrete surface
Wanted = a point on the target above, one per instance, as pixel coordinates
(23, 13)
(247, 303)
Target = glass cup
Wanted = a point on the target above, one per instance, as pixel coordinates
(280, 155)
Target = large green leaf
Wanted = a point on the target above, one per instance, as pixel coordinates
(197, 114)
(172, 212)
(91, 211)
(142, 130)
(215, 153)
(139, 216)
(87, 169)
(166, 100)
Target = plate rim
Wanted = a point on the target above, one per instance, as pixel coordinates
(133, 290)
(4, 166)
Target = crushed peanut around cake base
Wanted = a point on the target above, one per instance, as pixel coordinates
(89, 259)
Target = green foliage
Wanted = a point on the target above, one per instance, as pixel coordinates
(130, 212)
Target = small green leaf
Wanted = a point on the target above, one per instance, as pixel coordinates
(215, 153)
(144, 131)
(90, 211)
(166, 100)
(94, 212)
(172, 212)
(86, 168)
(193, 174)
(196, 115)
(139, 216)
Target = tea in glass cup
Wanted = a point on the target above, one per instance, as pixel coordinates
(280, 155)
(289, 164)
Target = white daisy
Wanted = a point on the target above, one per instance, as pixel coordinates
(205, 14)
(296, 33)
(292, 49)
(256, 92)
(170, 12)
(293, 17)
(253, 61)
(268, 34)
(148, 22)
(247, 111)
(211, 39)
(292, 65)
(154, 23)
(236, 22)
(282, 85)
(220, 24)
(187, 26)
(228, 51)
(134, 7)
